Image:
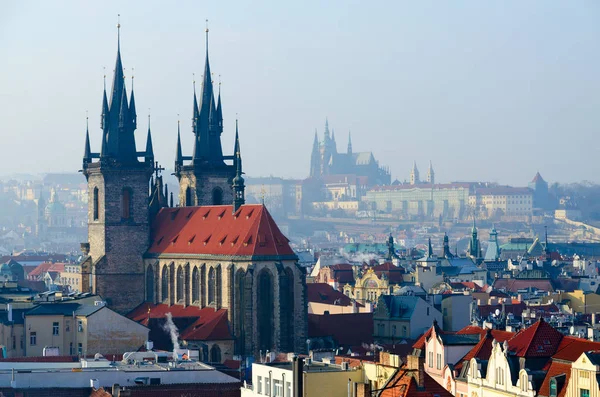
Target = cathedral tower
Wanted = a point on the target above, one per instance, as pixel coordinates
(414, 174)
(118, 220)
(430, 174)
(207, 180)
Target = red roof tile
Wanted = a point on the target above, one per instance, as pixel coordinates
(403, 384)
(347, 329)
(46, 267)
(325, 293)
(538, 340)
(483, 349)
(209, 324)
(216, 230)
(556, 368)
(570, 348)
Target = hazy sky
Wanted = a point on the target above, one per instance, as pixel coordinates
(487, 90)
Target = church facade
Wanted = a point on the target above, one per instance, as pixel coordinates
(212, 251)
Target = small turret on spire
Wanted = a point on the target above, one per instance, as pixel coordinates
(238, 181)
(87, 152)
(149, 149)
(178, 153)
(132, 112)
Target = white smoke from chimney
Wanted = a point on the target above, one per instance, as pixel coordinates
(170, 327)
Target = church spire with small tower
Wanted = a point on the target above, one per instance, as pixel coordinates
(430, 174)
(118, 215)
(414, 174)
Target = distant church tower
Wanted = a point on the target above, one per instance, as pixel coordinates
(41, 224)
(207, 180)
(414, 175)
(430, 174)
(118, 218)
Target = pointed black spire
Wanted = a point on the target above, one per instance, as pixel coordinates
(124, 109)
(349, 143)
(132, 112)
(220, 111)
(196, 111)
(315, 158)
(149, 149)
(236, 146)
(171, 201)
(178, 153)
(238, 181)
(87, 152)
(202, 149)
(166, 195)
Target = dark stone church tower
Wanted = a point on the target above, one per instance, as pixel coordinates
(207, 180)
(118, 212)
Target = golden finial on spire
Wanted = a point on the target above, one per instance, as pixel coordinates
(206, 26)
(119, 32)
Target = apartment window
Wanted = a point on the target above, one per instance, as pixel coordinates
(553, 388)
(277, 388)
(79, 325)
(428, 311)
(80, 349)
(439, 361)
(259, 384)
(267, 387)
(288, 388)
(55, 328)
(584, 374)
(32, 338)
(404, 330)
(67, 326)
(71, 348)
(430, 360)
(14, 342)
(393, 330)
(584, 393)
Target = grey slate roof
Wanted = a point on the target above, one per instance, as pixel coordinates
(400, 306)
(65, 309)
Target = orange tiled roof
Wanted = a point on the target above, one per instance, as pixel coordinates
(216, 230)
(538, 340)
(556, 368)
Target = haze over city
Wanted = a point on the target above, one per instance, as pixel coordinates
(493, 91)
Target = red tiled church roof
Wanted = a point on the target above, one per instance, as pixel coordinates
(209, 324)
(216, 230)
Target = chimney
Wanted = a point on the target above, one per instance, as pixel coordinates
(298, 376)
(363, 390)
(415, 364)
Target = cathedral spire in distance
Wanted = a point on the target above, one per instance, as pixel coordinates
(349, 143)
(178, 153)
(238, 181)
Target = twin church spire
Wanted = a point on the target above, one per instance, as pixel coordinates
(118, 122)
(118, 148)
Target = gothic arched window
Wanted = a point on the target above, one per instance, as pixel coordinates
(215, 354)
(217, 196)
(164, 284)
(179, 281)
(96, 202)
(218, 287)
(211, 286)
(126, 204)
(195, 282)
(188, 196)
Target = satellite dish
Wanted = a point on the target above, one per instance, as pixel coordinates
(497, 312)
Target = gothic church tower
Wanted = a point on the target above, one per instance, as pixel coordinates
(118, 219)
(207, 180)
